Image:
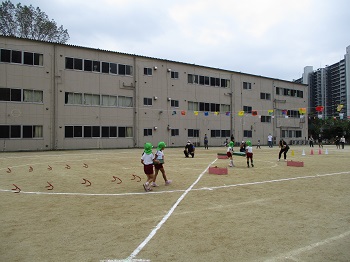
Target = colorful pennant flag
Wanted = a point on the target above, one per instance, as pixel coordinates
(195, 113)
(319, 108)
(339, 107)
(228, 113)
(174, 113)
(216, 113)
(241, 113)
(183, 112)
(254, 113)
(302, 110)
(284, 112)
(270, 112)
(206, 113)
(341, 116)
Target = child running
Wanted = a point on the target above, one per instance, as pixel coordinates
(147, 160)
(157, 167)
(229, 154)
(249, 153)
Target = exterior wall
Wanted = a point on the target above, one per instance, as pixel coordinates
(169, 117)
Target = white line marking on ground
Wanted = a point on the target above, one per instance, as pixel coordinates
(296, 252)
(165, 218)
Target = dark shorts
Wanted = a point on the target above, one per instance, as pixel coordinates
(158, 166)
(249, 155)
(229, 154)
(148, 169)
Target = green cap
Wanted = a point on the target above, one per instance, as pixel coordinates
(161, 145)
(249, 143)
(230, 144)
(148, 148)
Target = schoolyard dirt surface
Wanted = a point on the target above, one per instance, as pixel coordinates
(91, 206)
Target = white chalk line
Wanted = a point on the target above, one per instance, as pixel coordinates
(296, 252)
(173, 191)
(164, 219)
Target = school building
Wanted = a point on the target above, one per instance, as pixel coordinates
(59, 96)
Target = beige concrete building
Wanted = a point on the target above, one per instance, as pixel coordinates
(55, 96)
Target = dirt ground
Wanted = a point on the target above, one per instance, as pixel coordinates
(91, 206)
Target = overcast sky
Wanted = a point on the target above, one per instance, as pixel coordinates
(273, 38)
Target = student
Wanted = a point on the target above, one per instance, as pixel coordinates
(258, 145)
(157, 167)
(249, 153)
(229, 153)
(189, 149)
(147, 159)
(284, 149)
(320, 141)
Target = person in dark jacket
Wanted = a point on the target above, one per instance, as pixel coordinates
(189, 149)
(284, 149)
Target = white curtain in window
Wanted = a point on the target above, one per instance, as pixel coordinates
(95, 100)
(38, 131)
(87, 99)
(129, 132)
(78, 99)
(38, 96)
(27, 95)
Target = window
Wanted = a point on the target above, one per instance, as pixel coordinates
(91, 131)
(105, 67)
(147, 132)
(34, 96)
(109, 100)
(206, 80)
(174, 74)
(5, 55)
(225, 83)
(73, 131)
(16, 57)
(278, 90)
(265, 96)
(125, 101)
(225, 133)
(300, 94)
(174, 132)
(96, 65)
(125, 132)
(113, 68)
(248, 133)
(109, 131)
(74, 63)
(32, 59)
(247, 85)
(215, 133)
(225, 108)
(10, 94)
(193, 106)
(174, 103)
(91, 99)
(214, 107)
(266, 119)
(147, 71)
(247, 109)
(88, 65)
(193, 132)
(201, 80)
(147, 101)
(73, 98)
(32, 131)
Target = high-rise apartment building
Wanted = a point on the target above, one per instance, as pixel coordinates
(329, 87)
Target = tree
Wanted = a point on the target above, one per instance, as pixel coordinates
(29, 22)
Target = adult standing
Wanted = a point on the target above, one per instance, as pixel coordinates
(311, 141)
(337, 142)
(320, 141)
(269, 140)
(206, 142)
(342, 142)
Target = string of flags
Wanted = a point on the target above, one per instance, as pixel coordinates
(302, 111)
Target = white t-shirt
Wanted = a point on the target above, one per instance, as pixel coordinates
(230, 149)
(269, 138)
(147, 159)
(160, 155)
(249, 149)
